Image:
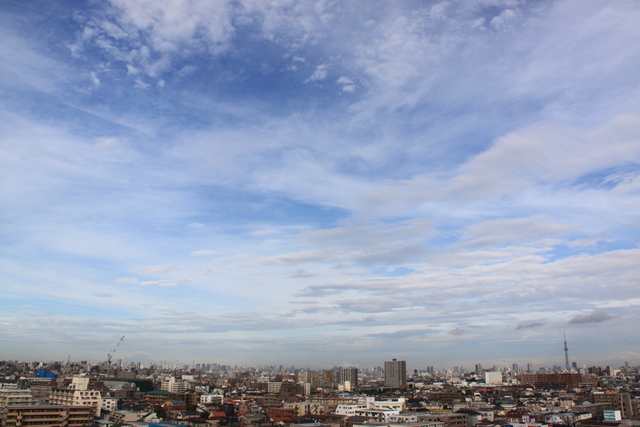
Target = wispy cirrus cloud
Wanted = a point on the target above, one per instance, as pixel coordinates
(156, 269)
(159, 283)
(451, 164)
(204, 252)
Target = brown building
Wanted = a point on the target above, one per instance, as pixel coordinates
(48, 416)
(448, 398)
(603, 396)
(291, 388)
(286, 415)
(189, 397)
(158, 397)
(174, 405)
(553, 380)
(449, 420)
(269, 400)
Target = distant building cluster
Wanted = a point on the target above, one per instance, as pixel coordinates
(74, 394)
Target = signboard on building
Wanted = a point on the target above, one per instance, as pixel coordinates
(612, 415)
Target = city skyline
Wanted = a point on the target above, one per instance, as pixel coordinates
(340, 373)
(422, 366)
(318, 183)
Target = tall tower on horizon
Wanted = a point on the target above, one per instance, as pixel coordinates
(566, 353)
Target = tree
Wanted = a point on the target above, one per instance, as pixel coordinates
(161, 412)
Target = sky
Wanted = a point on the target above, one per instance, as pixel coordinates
(320, 183)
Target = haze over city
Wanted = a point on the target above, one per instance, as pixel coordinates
(320, 183)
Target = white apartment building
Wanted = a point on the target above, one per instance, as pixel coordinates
(382, 415)
(493, 378)
(109, 404)
(68, 397)
(79, 383)
(78, 394)
(173, 385)
(211, 399)
(392, 404)
(349, 410)
(404, 418)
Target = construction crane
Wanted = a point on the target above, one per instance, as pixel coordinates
(110, 355)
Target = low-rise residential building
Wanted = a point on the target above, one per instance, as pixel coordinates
(15, 397)
(73, 397)
(211, 399)
(390, 424)
(448, 420)
(48, 415)
(124, 416)
(349, 409)
(381, 415)
(109, 404)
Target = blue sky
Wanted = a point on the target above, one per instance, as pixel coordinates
(320, 183)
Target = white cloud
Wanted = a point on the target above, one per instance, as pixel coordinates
(159, 283)
(132, 70)
(319, 74)
(483, 163)
(155, 269)
(508, 230)
(549, 153)
(94, 79)
(504, 19)
(140, 84)
(127, 280)
(302, 274)
(625, 182)
(210, 272)
(347, 84)
(204, 252)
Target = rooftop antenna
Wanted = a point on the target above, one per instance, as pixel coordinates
(566, 352)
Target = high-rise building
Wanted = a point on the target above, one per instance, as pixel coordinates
(348, 374)
(395, 373)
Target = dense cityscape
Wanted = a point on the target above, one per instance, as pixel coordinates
(116, 393)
